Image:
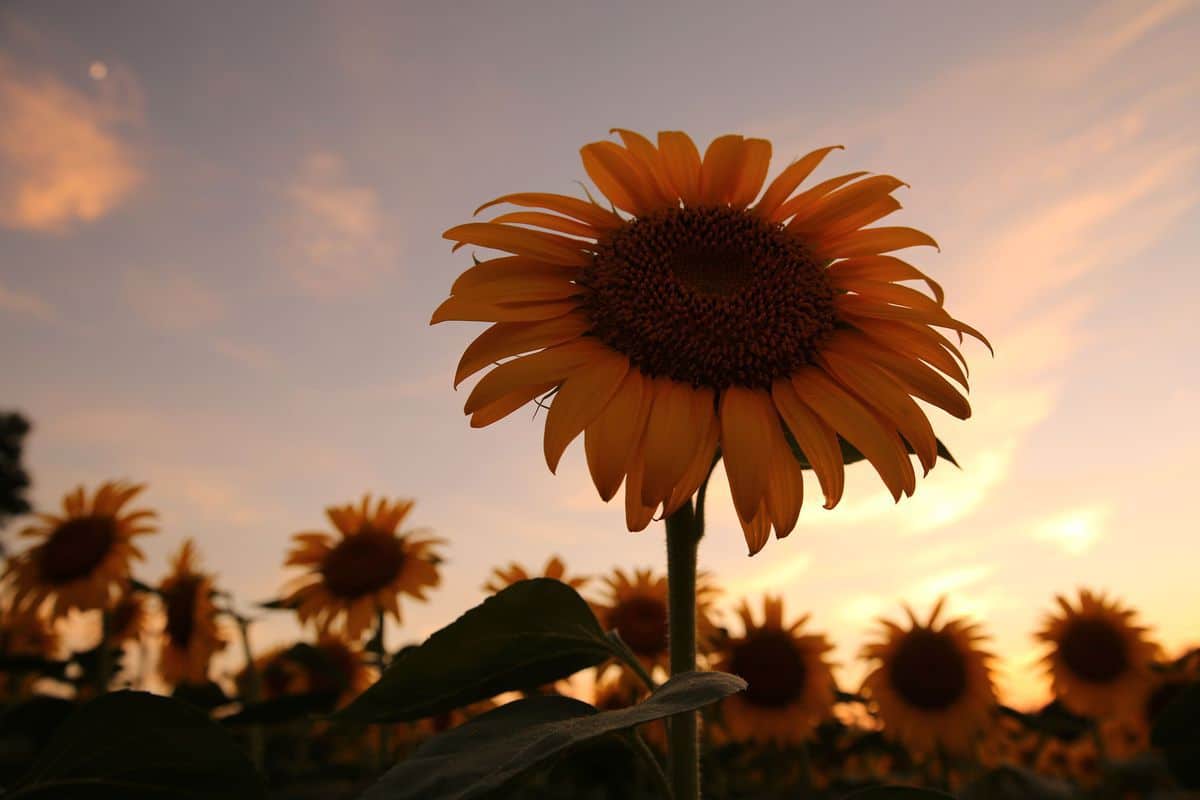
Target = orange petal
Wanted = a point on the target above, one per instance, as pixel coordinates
(719, 172)
(583, 210)
(785, 487)
(917, 342)
(681, 160)
(758, 529)
(647, 155)
(619, 176)
(856, 424)
(509, 267)
(699, 468)
(887, 397)
(850, 305)
(505, 405)
(549, 221)
(918, 379)
(872, 212)
(471, 310)
(520, 241)
(873, 241)
(522, 289)
(838, 204)
(756, 160)
(506, 339)
(545, 366)
(637, 515)
(670, 440)
(883, 268)
(891, 293)
(786, 182)
(747, 417)
(815, 438)
(580, 400)
(808, 197)
(610, 439)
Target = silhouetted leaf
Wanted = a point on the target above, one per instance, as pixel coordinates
(139, 746)
(482, 755)
(14, 480)
(283, 709)
(531, 633)
(34, 664)
(206, 696)
(898, 793)
(1014, 783)
(1177, 733)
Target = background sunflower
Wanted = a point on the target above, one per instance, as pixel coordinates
(502, 577)
(191, 635)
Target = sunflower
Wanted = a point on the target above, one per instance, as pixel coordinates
(503, 577)
(636, 607)
(191, 636)
(790, 687)
(1100, 662)
(129, 617)
(24, 634)
(622, 691)
(699, 320)
(84, 557)
(363, 572)
(331, 666)
(932, 683)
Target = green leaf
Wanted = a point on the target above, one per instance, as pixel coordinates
(492, 749)
(898, 793)
(531, 633)
(139, 746)
(1177, 733)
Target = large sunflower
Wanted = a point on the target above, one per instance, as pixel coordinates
(191, 636)
(1100, 662)
(701, 319)
(636, 606)
(332, 666)
(84, 555)
(932, 683)
(790, 687)
(503, 577)
(365, 570)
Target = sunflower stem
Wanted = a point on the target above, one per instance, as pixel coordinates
(683, 536)
(104, 655)
(379, 645)
(253, 692)
(656, 771)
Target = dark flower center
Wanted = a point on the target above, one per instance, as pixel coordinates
(75, 548)
(180, 601)
(363, 563)
(772, 666)
(928, 670)
(1094, 650)
(642, 623)
(709, 296)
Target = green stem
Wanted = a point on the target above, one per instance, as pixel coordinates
(253, 693)
(104, 658)
(683, 537)
(660, 778)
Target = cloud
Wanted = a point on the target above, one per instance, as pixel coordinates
(336, 239)
(171, 299)
(62, 159)
(248, 355)
(1073, 532)
(25, 303)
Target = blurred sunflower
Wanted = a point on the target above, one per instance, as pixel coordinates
(636, 607)
(84, 555)
(932, 683)
(622, 690)
(790, 687)
(701, 320)
(503, 577)
(129, 617)
(332, 666)
(1100, 662)
(24, 634)
(362, 573)
(191, 636)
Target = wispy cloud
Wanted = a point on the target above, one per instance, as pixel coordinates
(336, 239)
(25, 303)
(171, 299)
(63, 160)
(1073, 532)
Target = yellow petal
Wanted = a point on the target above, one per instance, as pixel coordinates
(637, 515)
(917, 342)
(866, 215)
(756, 160)
(847, 200)
(520, 241)
(580, 400)
(787, 181)
(502, 406)
(618, 175)
(806, 199)
(506, 339)
(610, 438)
(647, 155)
(815, 438)
(720, 169)
(700, 467)
(522, 289)
(850, 305)
(509, 267)
(883, 268)
(785, 487)
(891, 293)
(855, 423)
(758, 529)
(549, 221)
(670, 440)
(468, 309)
(746, 419)
(546, 366)
(917, 378)
(583, 210)
(681, 160)
(873, 241)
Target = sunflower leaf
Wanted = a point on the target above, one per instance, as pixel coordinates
(529, 634)
(484, 754)
(140, 746)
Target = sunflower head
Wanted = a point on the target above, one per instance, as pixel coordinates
(129, 617)
(931, 682)
(332, 666)
(82, 559)
(636, 606)
(790, 687)
(1100, 661)
(702, 314)
(363, 569)
(191, 636)
(503, 577)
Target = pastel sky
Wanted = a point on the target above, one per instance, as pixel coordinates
(220, 248)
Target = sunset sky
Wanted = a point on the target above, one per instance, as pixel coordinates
(220, 246)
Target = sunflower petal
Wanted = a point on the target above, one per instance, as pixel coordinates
(509, 267)
(520, 241)
(756, 160)
(785, 487)
(610, 438)
(670, 440)
(699, 468)
(595, 215)
(747, 416)
(505, 339)
(471, 310)
(551, 222)
(681, 160)
(620, 177)
(758, 529)
(787, 181)
(874, 241)
(580, 399)
(545, 366)
(883, 268)
(803, 201)
(637, 515)
(647, 155)
(720, 169)
(815, 439)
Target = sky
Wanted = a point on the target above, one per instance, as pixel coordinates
(220, 246)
